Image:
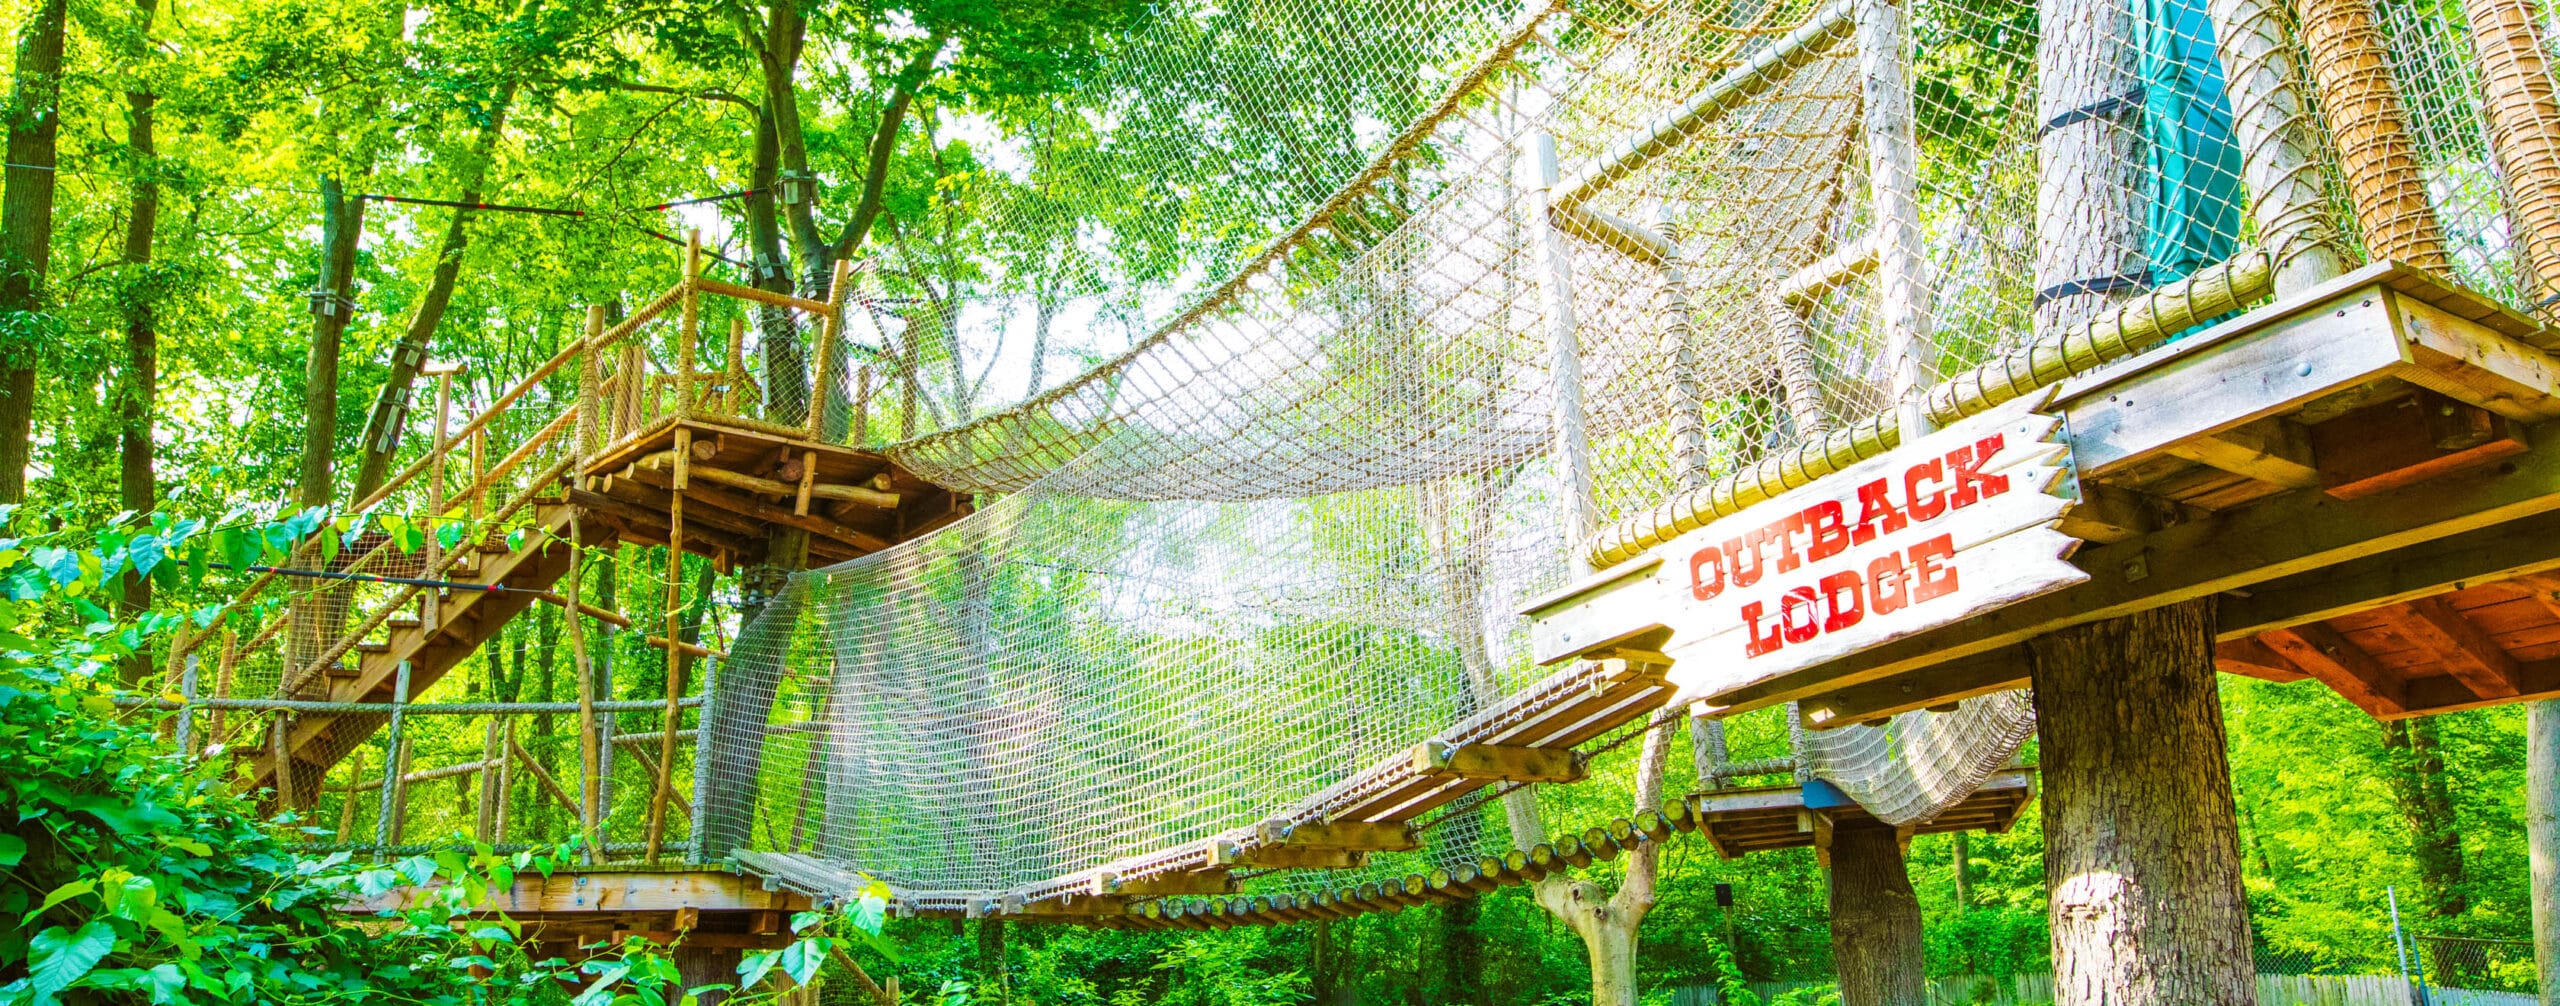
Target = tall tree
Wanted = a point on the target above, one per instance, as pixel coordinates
(333, 305)
(391, 406)
(138, 398)
(2426, 801)
(26, 235)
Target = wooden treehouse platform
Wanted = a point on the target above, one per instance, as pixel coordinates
(1763, 818)
(741, 480)
(2366, 476)
(570, 910)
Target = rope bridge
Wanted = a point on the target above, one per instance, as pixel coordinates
(1626, 255)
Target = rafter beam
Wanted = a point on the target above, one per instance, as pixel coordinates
(2468, 653)
(2339, 663)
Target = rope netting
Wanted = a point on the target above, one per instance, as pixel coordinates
(1283, 536)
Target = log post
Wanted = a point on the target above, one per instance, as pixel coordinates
(394, 765)
(2089, 176)
(2142, 847)
(2542, 836)
(1893, 184)
(689, 329)
(2524, 132)
(1564, 350)
(674, 615)
(2271, 122)
(1875, 918)
(590, 780)
(2350, 66)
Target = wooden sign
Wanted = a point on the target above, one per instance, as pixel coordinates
(1953, 524)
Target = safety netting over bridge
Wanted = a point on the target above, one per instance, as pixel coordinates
(1622, 254)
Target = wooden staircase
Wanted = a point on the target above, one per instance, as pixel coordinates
(443, 627)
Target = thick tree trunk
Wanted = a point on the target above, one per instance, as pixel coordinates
(382, 427)
(696, 966)
(2542, 837)
(2142, 851)
(138, 399)
(26, 233)
(341, 225)
(2089, 184)
(1461, 953)
(1875, 919)
(2426, 802)
(991, 977)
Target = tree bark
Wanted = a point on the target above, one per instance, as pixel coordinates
(382, 427)
(26, 234)
(2141, 845)
(1964, 861)
(138, 400)
(1606, 922)
(1461, 953)
(2542, 836)
(1875, 919)
(341, 226)
(2426, 802)
(991, 977)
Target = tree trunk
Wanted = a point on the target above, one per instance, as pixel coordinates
(2418, 785)
(2089, 179)
(991, 978)
(341, 225)
(1964, 861)
(2141, 846)
(26, 235)
(138, 399)
(1875, 919)
(1461, 953)
(382, 427)
(2542, 836)
(698, 965)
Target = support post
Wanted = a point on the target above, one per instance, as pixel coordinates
(484, 818)
(1689, 461)
(590, 392)
(689, 330)
(1893, 183)
(2089, 175)
(1875, 918)
(1564, 350)
(674, 615)
(2524, 132)
(2362, 104)
(2542, 837)
(387, 802)
(736, 380)
(589, 783)
(700, 838)
(830, 333)
(186, 732)
(2272, 125)
(2142, 846)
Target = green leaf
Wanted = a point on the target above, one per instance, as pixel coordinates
(755, 966)
(61, 894)
(13, 850)
(57, 957)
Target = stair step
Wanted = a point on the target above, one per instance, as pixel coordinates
(373, 647)
(343, 671)
(400, 622)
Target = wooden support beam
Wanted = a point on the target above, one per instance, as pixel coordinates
(1228, 855)
(2254, 659)
(554, 599)
(2519, 550)
(1165, 885)
(2405, 441)
(2108, 513)
(1497, 762)
(2468, 653)
(2273, 450)
(2323, 653)
(1360, 836)
(864, 495)
(762, 510)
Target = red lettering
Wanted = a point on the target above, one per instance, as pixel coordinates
(1876, 513)
(1757, 645)
(1836, 586)
(1829, 529)
(1734, 551)
(1966, 468)
(1785, 533)
(1934, 580)
(1925, 507)
(1706, 558)
(1801, 599)
(1887, 590)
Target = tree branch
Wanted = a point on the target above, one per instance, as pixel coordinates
(884, 143)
